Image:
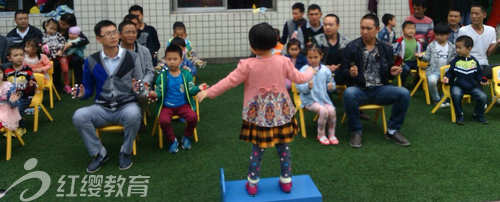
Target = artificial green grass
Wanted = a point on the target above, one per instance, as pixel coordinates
(445, 162)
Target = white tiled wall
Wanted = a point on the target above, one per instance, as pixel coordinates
(217, 34)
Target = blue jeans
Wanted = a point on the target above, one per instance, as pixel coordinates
(477, 93)
(407, 67)
(23, 104)
(382, 95)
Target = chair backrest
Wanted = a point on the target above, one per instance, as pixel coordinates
(51, 70)
(296, 95)
(496, 75)
(40, 81)
(446, 88)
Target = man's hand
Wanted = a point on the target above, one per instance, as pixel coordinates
(333, 67)
(77, 91)
(445, 80)
(310, 84)
(396, 70)
(354, 71)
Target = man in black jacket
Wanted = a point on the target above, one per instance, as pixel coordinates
(24, 30)
(147, 35)
(367, 67)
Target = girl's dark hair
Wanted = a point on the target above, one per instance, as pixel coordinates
(314, 47)
(36, 44)
(69, 18)
(262, 37)
(292, 42)
(51, 20)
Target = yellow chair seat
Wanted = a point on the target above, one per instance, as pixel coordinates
(423, 81)
(9, 141)
(495, 89)
(116, 129)
(379, 109)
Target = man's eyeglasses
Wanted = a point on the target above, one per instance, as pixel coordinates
(109, 34)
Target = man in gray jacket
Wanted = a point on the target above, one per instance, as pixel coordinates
(128, 37)
(113, 73)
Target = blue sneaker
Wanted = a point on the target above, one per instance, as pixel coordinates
(174, 147)
(186, 143)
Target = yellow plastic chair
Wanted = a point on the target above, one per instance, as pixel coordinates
(447, 95)
(9, 141)
(496, 88)
(116, 129)
(423, 81)
(298, 103)
(379, 109)
(37, 100)
(50, 86)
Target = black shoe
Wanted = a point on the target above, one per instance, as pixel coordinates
(143, 128)
(480, 119)
(355, 141)
(125, 161)
(460, 120)
(96, 164)
(398, 138)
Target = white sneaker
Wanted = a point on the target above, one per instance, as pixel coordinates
(498, 101)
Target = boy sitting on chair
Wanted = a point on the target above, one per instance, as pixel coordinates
(465, 76)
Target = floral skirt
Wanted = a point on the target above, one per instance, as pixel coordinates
(266, 137)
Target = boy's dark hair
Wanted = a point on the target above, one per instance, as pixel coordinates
(479, 5)
(101, 24)
(468, 42)
(36, 43)
(69, 18)
(51, 20)
(314, 47)
(292, 42)
(262, 37)
(131, 17)
(421, 3)
(179, 25)
(406, 23)
(313, 7)
(386, 18)
(371, 17)
(337, 19)
(178, 41)
(14, 47)
(174, 48)
(299, 6)
(277, 33)
(442, 28)
(455, 9)
(135, 8)
(19, 12)
(125, 23)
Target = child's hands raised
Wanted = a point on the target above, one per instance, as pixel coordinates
(484, 83)
(419, 55)
(203, 86)
(445, 80)
(201, 95)
(138, 86)
(14, 96)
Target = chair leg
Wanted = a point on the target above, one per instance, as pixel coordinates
(195, 135)
(399, 81)
(160, 137)
(452, 109)
(155, 124)
(197, 110)
(316, 117)
(384, 123)
(439, 104)
(19, 137)
(36, 117)
(72, 78)
(376, 115)
(426, 91)
(55, 91)
(302, 123)
(416, 87)
(51, 98)
(144, 119)
(491, 104)
(9, 145)
(134, 149)
(343, 118)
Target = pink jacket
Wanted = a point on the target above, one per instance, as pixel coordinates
(266, 101)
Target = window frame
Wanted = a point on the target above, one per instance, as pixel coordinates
(223, 8)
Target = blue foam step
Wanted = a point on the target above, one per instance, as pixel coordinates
(303, 189)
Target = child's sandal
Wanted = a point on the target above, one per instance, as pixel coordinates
(323, 140)
(333, 140)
